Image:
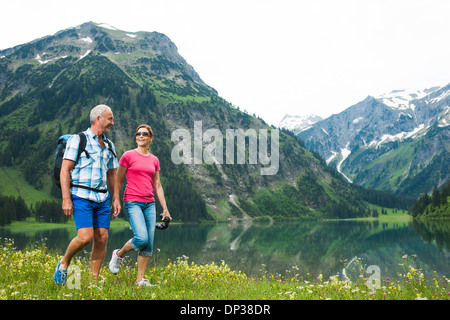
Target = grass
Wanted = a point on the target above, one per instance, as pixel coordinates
(28, 275)
(392, 215)
(14, 184)
(30, 224)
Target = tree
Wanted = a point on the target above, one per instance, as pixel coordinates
(375, 213)
(12, 209)
(436, 205)
(22, 211)
(435, 197)
(49, 211)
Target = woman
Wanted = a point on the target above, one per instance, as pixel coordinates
(142, 170)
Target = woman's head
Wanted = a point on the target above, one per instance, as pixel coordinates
(144, 135)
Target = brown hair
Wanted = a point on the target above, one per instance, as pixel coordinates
(146, 126)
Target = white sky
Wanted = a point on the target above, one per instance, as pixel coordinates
(273, 57)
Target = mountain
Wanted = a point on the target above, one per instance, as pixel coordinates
(48, 86)
(298, 124)
(397, 142)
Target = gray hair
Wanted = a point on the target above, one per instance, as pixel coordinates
(97, 111)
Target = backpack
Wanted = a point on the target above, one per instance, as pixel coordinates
(61, 148)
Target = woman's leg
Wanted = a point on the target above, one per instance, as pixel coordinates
(142, 266)
(136, 218)
(147, 251)
(150, 223)
(139, 240)
(125, 249)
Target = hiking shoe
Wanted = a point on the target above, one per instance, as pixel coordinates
(114, 264)
(145, 283)
(60, 275)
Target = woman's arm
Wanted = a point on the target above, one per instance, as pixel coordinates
(160, 194)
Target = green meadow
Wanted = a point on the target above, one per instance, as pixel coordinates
(28, 275)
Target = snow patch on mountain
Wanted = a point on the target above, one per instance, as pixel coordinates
(298, 123)
(357, 120)
(345, 152)
(444, 95)
(87, 40)
(39, 59)
(333, 155)
(401, 99)
(399, 136)
(107, 26)
(84, 55)
(444, 121)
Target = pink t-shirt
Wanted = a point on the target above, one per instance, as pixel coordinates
(140, 172)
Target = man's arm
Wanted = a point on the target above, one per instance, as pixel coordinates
(67, 204)
(115, 181)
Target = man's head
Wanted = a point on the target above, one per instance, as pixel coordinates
(101, 118)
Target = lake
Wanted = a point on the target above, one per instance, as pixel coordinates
(284, 248)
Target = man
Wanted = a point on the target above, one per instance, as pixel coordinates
(84, 191)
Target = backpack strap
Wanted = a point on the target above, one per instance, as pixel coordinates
(108, 142)
(88, 188)
(82, 146)
(83, 141)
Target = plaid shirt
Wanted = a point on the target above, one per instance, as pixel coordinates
(90, 172)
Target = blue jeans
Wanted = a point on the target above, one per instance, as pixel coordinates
(142, 218)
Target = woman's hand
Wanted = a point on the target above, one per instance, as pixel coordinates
(166, 214)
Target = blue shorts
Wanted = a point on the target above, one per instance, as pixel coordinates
(88, 214)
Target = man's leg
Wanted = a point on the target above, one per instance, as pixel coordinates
(82, 215)
(98, 250)
(83, 238)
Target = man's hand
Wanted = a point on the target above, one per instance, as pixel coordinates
(67, 207)
(115, 210)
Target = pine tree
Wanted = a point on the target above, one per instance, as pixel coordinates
(435, 197)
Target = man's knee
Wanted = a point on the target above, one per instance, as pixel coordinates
(101, 236)
(85, 236)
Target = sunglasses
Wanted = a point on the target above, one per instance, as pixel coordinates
(142, 134)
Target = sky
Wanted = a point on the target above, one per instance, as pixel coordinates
(273, 57)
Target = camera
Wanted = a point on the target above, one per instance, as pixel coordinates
(165, 224)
